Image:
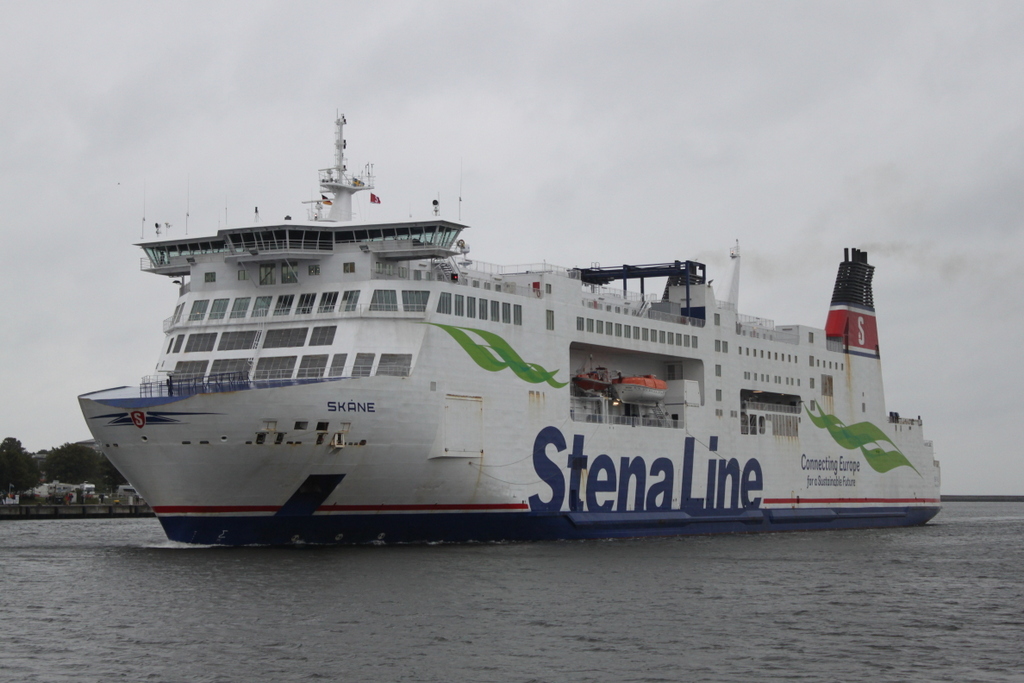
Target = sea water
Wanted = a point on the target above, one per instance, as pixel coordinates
(106, 600)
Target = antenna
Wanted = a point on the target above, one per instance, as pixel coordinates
(437, 205)
(256, 218)
(460, 189)
(188, 199)
(143, 235)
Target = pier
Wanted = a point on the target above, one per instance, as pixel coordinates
(74, 511)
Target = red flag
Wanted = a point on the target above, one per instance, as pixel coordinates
(374, 199)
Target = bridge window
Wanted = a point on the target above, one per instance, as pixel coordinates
(305, 304)
(279, 367)
(261, 307)
(350, 299)
(240, 307)
(278, 339)
(267, 276)
(198, 343)
(470, 306)
(219, 308)
(231, 341)
(383, 300)
(395, 364)
(444, 303)
(284, 304)
(199, 309)
(416, 301)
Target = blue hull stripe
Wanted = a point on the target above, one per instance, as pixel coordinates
(463, 527)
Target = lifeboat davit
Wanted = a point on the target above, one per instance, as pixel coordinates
(640, 389)
(595, 381)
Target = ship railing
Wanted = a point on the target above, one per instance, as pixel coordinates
(725, 305)
(670, 318)
(492, 269)
(616, 294)
(578, 415)
(894, 418)
(771, 407)
(769, 333)
(367, 310)
(188, 384)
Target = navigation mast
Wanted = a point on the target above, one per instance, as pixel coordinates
(339, 182)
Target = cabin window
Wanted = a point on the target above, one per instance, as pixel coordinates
(483, 309)
(267, 274)
(170, 344)
(199, 309)
(243, 274)
(289, 337)
(718, 394)
(694, 338)
(608, 329)
(743, 423)
(626, 331)
(810, 337)
(580, 324)
(760, 424)
(718, 345)
(460, 305)
(646, 333)
(289, 276)
(517, 314)
(547, 288)
(350, 299)
(753, 425)
(590, 324)
(338, 364)
(177, 342)
(231, 341)
(725, 347)
(383, 300)
(812, 382)
(190, 368)
(312, 367)
(718, 371)
(826, 385)
(636, 332)
(506, 313)
(279, 367)
(240, 307)
(363, 365)
(349, 267)
(470, 306)
(395, 364)
(661, 336)
(314, 269)
(284, 304)
(198, 343)
(210, 277)
(218, 309)
(600, 327)
(225, 365)
(811, 360)
(305, 304)
(323, 336)
(416, 300)
(444, 302)
(550, 318)
(261, 307)
(718, 319)
(495, 310)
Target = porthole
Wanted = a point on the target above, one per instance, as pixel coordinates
(223, 438)
(145, 438)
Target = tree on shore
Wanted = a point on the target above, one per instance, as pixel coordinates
(18, 470)
(72, 463)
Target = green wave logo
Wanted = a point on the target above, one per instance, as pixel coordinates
(496, 355)
(861, 435)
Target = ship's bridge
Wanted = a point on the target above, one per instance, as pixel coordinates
(390, 241)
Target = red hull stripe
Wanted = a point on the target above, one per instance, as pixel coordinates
(829, 501)
(222, 509)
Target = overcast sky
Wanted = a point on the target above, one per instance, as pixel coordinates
(578, 132)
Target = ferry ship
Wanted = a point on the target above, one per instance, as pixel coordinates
(327, 381)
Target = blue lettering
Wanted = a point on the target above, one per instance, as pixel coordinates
(548, 471)
(728, 470)
(576, 464)
(752, 481)
(632, 469)
(661, 488)
(686, 502)
(601, 479)
(332, 406)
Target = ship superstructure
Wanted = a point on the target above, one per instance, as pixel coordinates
(326, 381)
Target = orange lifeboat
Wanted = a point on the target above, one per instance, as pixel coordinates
(639, 389)
(595, 381)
